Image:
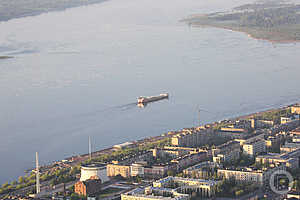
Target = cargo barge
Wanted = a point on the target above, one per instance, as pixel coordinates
(152, 98)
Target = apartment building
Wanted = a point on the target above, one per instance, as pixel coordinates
(261, 177)
(254, 147)
(290, 159)
(201, 170)
(226, 152)
(289, 147)
(205, 187)
(295, 109)
(117, 169)
(190, 138)
(187, 160)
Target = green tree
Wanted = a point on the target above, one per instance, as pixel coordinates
(170, 173)
(21, 179)
(4, 185)
(138, 179)
(9, 188)
(239, 193)
(19, 186)
(74, 196)
(296, 185)
(14, 182)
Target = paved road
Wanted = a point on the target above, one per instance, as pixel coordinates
(57, 188)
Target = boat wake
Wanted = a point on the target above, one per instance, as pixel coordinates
(124, 107)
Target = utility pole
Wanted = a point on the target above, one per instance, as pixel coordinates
(199, 117)
(90, 148)
(38, 187)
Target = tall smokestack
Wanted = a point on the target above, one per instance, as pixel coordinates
(38, 188)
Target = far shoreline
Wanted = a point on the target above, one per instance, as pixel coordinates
(19, 11)
(276, 22)
(245, 32)
(5, 57)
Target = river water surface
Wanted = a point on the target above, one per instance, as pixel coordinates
(77, 73)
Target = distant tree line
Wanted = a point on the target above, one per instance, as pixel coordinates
(265, 17)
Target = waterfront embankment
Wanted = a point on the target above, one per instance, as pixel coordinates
(66, 171)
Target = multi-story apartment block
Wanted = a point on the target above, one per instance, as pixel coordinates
(190, 138)
(250, 139)
(116, 169)
(207, 187)
(187, 160)
(295, 132)
(272, 141)
(290, 159)
(289, 147)
(254, 147)
(173, 188)
(248, 175)
(158, 171)
(295, 109)
(296, 139)
(233, 133)
(226, 152)
(201, 170)
(169, 152)
(260, 123)
(284, 120)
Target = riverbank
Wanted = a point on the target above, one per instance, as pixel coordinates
(11, 9)
(276, 22)
(254, 34)
(5, 57)
(75, 160)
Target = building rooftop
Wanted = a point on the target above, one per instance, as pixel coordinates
(93, 165)
(141, 192)
(294, 192)
(228, 144)
(270, 156)
(283, 156)
(253, 141)
(189, 155)
(180, 179)
(125, 144)
(296, 130)
(201, 165)
(290, 154)
(291, 145)
(243, 169)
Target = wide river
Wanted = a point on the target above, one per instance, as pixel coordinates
(77, 73)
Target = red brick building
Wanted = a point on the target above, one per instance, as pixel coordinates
(88, 187)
